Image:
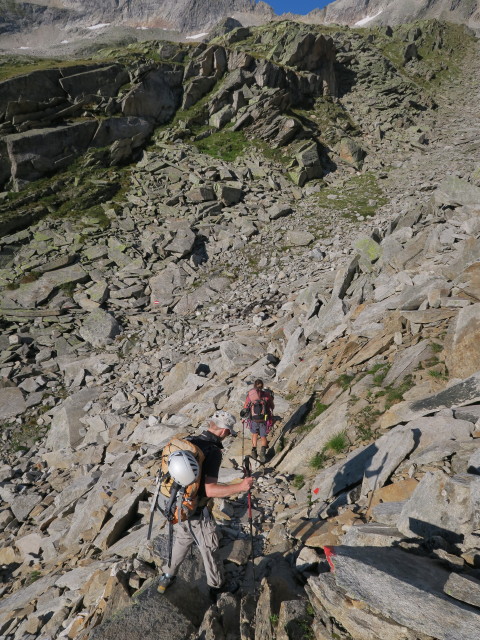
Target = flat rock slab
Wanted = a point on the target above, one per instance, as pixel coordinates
(344, 474)
(407, 361)
(465, 392)
(35, 293)
(454, 191)
(463, 588)
(372, 534)
(391, 450)
(406, 589)
(12, 403)
(361, 622)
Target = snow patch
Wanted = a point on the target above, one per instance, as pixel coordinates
(142, 28)
(65, 41)
(24, 47)
(99, 26)
(360, 23)
(197, 37)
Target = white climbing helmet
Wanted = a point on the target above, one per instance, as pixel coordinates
(183, 467)
(224, 420)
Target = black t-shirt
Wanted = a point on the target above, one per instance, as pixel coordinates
(211, 445)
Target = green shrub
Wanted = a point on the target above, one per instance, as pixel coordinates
(436, 348)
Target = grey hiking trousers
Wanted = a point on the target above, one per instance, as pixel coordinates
(200, 530)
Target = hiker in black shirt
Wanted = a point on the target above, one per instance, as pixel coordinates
(200, 528)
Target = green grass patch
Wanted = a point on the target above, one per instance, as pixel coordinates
(438, 375)
(436, 347)
(226, 144)
(395, 395)
(338, 442)
(345, 381)
(379, 372)
(32, 577)
(364, 420)
(298, 481)
(318, 409)
(318, 460)
(360, 195)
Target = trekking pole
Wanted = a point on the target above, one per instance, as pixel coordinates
(248, 473)
(153, 505)
(243, 439)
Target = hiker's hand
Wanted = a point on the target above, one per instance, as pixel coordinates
(247, 483)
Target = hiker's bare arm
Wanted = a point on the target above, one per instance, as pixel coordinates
(215, 490)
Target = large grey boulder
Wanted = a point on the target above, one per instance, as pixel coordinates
(12, 403)
(182, 243)
(454, 191)
(99, 328)
(66, 429)
(105, 82)
(405, 589)
(152, 98)
(37, 152)
(443, 505)
(166, 284)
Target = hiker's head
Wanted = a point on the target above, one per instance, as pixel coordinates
(258, 385)
(222, 424)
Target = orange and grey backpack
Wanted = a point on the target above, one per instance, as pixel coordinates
(177, 484)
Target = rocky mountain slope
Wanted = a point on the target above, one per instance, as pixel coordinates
(302, 205)
(184, 15)
(363, 12)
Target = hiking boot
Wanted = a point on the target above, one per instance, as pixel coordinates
(263, 452)
(164, 582)
(254, 453)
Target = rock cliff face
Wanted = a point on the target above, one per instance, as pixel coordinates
(307, 211)
(184, 15)
(363, 12)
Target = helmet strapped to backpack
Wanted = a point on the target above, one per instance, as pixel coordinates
(183, 467)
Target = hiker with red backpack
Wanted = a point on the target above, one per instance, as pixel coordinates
(199, 526)
(258, 409)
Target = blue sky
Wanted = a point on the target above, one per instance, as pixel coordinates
(297, 6)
